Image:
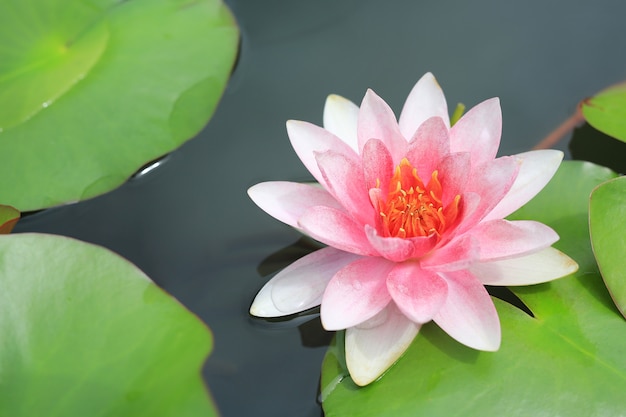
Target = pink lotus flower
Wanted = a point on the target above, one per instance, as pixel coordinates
(412, 213)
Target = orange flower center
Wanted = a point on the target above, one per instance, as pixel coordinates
(413, 209)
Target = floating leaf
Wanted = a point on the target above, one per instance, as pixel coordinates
(567, 360)
(91, 90)
(8, 218)
(606, 111)
(607, 224)
(85, 333)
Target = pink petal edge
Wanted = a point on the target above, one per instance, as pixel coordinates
(301, 285)
(377, 121)
(344, 180)
(536, 169)
(418, 293)
(397, 249)
(468, 314)
(457, 254)
(287, 201)
(356, 293)
(425, 100)
(502, 239)
(337, 229)
(478, 132)
(307, 139)
(428, 147)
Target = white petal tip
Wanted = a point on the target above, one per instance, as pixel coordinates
(254, 191)
(568, 265)
(264, 311)
(369, 94)
(363, 377)
(429, 78)
(263, 306)
(370, 351)
(481, 341)
(488, 345)
(294, 124)
(364, 369)
(337, 99)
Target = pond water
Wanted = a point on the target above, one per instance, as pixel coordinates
(190, 225)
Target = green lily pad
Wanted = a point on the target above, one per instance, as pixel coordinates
(85, 333)
(45, 58)
(605, 111)
(570, 359)
(8, 218)
(607, 224)
(91, 90)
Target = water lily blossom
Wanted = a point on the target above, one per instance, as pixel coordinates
(412, 213)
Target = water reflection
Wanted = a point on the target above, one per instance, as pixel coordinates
(287, 255)
(312, 334)
(149, 167)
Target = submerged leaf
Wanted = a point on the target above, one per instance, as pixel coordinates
(86, 333)
(589, 144)
(567, 360)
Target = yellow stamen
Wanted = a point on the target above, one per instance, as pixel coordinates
(412, 208)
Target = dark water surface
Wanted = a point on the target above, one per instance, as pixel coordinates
(190, 225)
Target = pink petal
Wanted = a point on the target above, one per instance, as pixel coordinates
(397, 249)
(428, 147)
(356, 293)
(377, 121)
(307, 139)
(377, 165)
(376, 196)
(460, 253)
(478, 132)
(337, 229)
(500, 239)
(344, 180)
(372, 347)
(470, 203)
(536, 170)
(340, 118)
(425, 100)
(453, 175)
(287, 201)
(468, 314)
(418, 293)
(491, 181)
(301, 285)
(543, 266)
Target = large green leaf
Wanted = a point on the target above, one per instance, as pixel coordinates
(605, 111)
(85, 333)
(91, 90)
(607, 224)
(569, 360)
